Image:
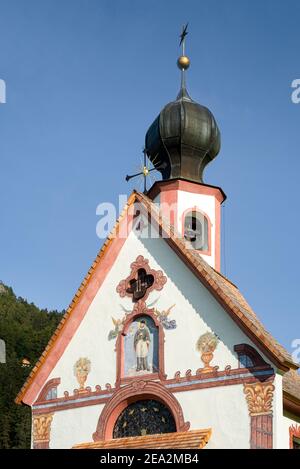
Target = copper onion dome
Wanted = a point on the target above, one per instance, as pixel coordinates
(184, 137)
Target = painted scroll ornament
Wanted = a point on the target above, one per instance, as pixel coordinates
(141, 281)
(206, 345)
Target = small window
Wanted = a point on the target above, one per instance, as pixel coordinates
(245, 361)
(196, 230)
(51, 394)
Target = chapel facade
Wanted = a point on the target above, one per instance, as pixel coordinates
(159, 349)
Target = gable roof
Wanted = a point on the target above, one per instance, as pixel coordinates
(291, 384)
(225, 292)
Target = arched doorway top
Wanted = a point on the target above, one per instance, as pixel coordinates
(135, 391)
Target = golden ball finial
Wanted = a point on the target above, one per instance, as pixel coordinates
(183, 62)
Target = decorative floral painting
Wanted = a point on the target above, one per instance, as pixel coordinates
(141, 347)
(206, 345)
(81, 370)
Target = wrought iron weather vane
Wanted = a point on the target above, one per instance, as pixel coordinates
(144, 173)
(182, 37)
(183, 63)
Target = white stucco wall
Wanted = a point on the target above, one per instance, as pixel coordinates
(278, 430)
(283, 432)
(195, 311)
(222, 409)
(73, 426)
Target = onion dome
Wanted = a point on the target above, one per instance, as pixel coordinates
(184, 137)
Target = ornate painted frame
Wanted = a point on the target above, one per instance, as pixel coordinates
(142, 263)
(140, 309)
(133, 392)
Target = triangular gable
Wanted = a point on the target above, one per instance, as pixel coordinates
(223, 290)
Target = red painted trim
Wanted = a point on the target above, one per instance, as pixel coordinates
(220, 374)
(217, 384)
(217, 234)
(187, 186)
(169, 198)
(183, 383)
(136, 391)
(52, 383)
(140, 309)
(294, 432)
(79, 311)
(71, 399)
(209, 224)
(69, 405)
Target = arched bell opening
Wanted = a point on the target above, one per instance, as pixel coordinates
(196, 230)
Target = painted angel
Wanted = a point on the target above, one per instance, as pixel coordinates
(164, 319)
(118, 323)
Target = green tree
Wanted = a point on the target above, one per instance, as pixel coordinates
(26, 330)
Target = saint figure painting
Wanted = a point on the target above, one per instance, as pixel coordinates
(141, 343)
(141, 347)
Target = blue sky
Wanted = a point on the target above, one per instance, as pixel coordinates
(84, 81)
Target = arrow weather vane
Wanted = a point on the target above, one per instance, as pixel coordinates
(182, 37)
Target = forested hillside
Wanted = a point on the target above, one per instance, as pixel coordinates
(26, 330)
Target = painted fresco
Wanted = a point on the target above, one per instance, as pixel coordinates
(141, 347)
(164, 319)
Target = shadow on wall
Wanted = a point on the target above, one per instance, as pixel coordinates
(196, 295)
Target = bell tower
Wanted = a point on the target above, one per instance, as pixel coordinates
(180, 143)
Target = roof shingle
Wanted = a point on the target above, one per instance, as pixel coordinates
(194, 439)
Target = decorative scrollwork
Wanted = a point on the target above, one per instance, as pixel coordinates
(138, 385)
(42, 428)
(259, 397)
(141, 281)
